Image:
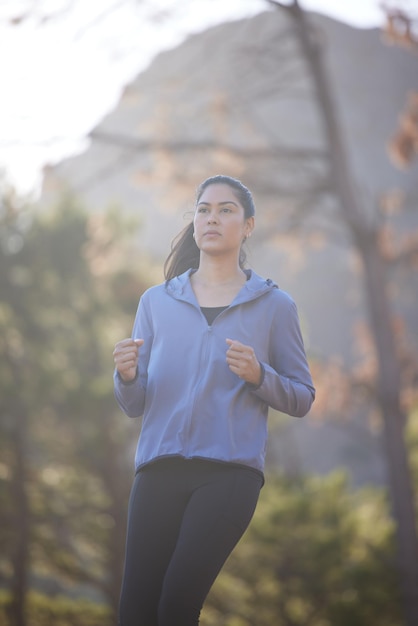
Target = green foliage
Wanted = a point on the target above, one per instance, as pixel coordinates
(316, 554)
(412, 440)
(59, 611)
(65, 474)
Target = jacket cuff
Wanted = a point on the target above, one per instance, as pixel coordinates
(127, 383)
(262, 375)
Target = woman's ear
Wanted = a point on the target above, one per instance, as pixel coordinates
(250, 223)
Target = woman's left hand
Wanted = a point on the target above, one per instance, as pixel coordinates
(243, 362)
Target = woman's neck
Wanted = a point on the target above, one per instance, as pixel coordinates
(213, 274)
(215, 285)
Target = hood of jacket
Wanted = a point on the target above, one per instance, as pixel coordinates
(254, 287)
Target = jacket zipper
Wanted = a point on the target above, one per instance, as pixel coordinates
(202, 361)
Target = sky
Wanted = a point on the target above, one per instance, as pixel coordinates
(65, 63)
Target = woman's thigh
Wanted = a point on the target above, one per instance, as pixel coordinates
(214, 520)
(155, 514)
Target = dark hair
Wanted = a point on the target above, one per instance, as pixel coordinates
(242, 193)
(184, 252)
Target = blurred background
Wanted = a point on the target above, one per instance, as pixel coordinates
(111, 114)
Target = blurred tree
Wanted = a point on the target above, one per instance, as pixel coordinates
(401, 29)
(366, 236)
(66, 296)
(316, 554)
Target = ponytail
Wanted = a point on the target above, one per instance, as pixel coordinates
(184, 254)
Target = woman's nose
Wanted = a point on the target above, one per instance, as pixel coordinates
(212, 218)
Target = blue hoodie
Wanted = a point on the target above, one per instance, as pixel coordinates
(192, 405)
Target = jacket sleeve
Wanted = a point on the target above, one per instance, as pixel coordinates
(287, 383)
(131, 396)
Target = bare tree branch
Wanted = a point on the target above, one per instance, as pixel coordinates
(179, 146)
(98, 19)
(38, 12)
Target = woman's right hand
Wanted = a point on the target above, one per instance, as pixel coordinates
(125, 356)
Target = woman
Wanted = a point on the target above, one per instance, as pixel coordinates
(212, 349)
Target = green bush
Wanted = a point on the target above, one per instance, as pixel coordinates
(42, 610)
(316, 553)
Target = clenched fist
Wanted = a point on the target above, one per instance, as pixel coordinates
(125, 356)
(243, 362)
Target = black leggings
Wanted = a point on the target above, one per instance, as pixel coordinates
(184, 519)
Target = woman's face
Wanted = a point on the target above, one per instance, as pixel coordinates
(220, 225)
